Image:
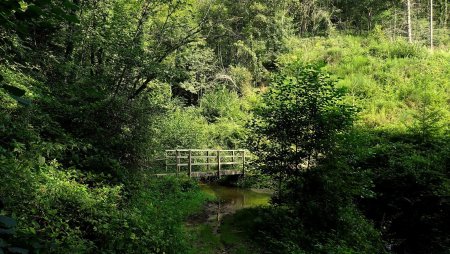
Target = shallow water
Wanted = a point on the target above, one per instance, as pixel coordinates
(237, 198)
(229, 200)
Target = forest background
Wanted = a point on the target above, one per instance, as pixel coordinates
(91, 91)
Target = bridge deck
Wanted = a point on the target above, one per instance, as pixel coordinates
(201, 174)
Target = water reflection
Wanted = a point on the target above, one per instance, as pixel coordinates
(231, 199)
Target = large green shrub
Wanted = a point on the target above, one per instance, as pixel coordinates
(295, 135)
(298, 120)
(61, 210)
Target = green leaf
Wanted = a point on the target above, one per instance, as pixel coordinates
(7, 221)
(72, 18)
(41, 160)
(70, 5)
(13, 90)
(32, 230)
(33, 10)
(58, 11)
(43, 2)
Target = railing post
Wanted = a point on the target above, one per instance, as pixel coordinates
(165, 157)
(218, 163)
(190, 163)
(178, 160)
(243, 162)
(208, 167)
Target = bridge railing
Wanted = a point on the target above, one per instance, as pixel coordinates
(206, 159)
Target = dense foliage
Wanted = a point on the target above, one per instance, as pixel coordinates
(347, 120)
(390, 169)
(296, 131)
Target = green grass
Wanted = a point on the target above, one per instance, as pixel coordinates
(204, 241)
(230, 238)
(388, 80)
(235, 238)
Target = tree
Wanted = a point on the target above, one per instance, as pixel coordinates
(295, 137)
(298, 121)
(361, 15)
(311, 17)
(248, 33)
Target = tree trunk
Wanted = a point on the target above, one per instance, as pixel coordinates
(431, 24)
(395, 23)
(408, 3)
(70, 35)
(446, 14)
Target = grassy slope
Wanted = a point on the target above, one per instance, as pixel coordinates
(388, 80)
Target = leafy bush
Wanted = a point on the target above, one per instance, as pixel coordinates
(280, 230)
(68, 175)
(295, 135)
(298, 121)
(411, 186)
(59, 211)
(180, 128)
(242, 77)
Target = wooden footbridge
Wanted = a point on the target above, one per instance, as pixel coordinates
(205, 163)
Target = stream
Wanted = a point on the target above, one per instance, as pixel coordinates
(229, 200)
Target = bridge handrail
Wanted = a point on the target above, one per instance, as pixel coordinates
(237, 156)
(204, 150)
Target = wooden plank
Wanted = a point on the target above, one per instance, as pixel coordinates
(223, 172)
(179, 165)
(204, 164)
(187, 157)
(231, 172)
(228, 156)
(202, 156)
(203, 150)
(229, 163)
(200, 174)
(180, 156)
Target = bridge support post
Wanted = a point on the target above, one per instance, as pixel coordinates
(243, 162)
(165, 156)
(190, 163)
(178, 160)
(218, 164)
(208, 166)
